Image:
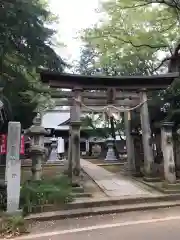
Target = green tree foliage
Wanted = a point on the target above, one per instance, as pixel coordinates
(133, 32)
(140, 37)
(25, 45)
(87, 62)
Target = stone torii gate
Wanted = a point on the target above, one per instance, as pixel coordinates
(109, 92)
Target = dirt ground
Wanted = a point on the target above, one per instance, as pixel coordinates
(91, 187)
(112, 168)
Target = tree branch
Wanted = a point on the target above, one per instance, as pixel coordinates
(133, 44)
(136, 6)
(168, 28)
(162, 62)
(174, 55)
(176, 51)
(169, 3)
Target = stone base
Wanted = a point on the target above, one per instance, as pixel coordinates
(111, 160)
(110, 156)
(55, 161)
(77, 181)
(130, 172)
(151, 179)
(137, 174)
(75, 184)
(78, 189)
(133, 172)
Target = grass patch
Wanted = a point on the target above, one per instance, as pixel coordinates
(37, 194)
(11, 226)
(95, 161)
(49, 171)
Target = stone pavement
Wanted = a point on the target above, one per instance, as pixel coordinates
(110, 184)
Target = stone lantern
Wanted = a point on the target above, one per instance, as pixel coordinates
(37, 150)
(110, 153)
(53, 154)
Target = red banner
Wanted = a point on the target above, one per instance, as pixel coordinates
(3, 143)
(3, 148)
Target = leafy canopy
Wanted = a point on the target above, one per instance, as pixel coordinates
(25, 44)
(132, 33)
(139, 37)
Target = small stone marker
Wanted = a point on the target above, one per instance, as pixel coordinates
(53, 154)
(110, 153)
(60, 148)
(13, 167)
(168, 152)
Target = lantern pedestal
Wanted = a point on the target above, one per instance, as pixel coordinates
(110, 153)
(53, 154)
(37, 150)
(37, 157)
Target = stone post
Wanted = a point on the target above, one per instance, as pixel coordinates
(110, 153)
(129, 142)
(69, 163)
(177, 152)
(13, 167)
(146, 137)
(75, 132)
(76, 148)
(87, 147)
(37, 133)
(60, 149)
(168, 152)
(137, 145)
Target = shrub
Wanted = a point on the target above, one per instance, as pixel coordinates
(37, 194)
(12, 226)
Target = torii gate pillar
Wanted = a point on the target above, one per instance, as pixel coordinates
(74, 138)
(146, 138)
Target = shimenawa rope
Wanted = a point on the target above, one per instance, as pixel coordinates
(107, 107)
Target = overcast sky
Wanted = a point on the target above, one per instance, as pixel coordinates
(74, 15)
